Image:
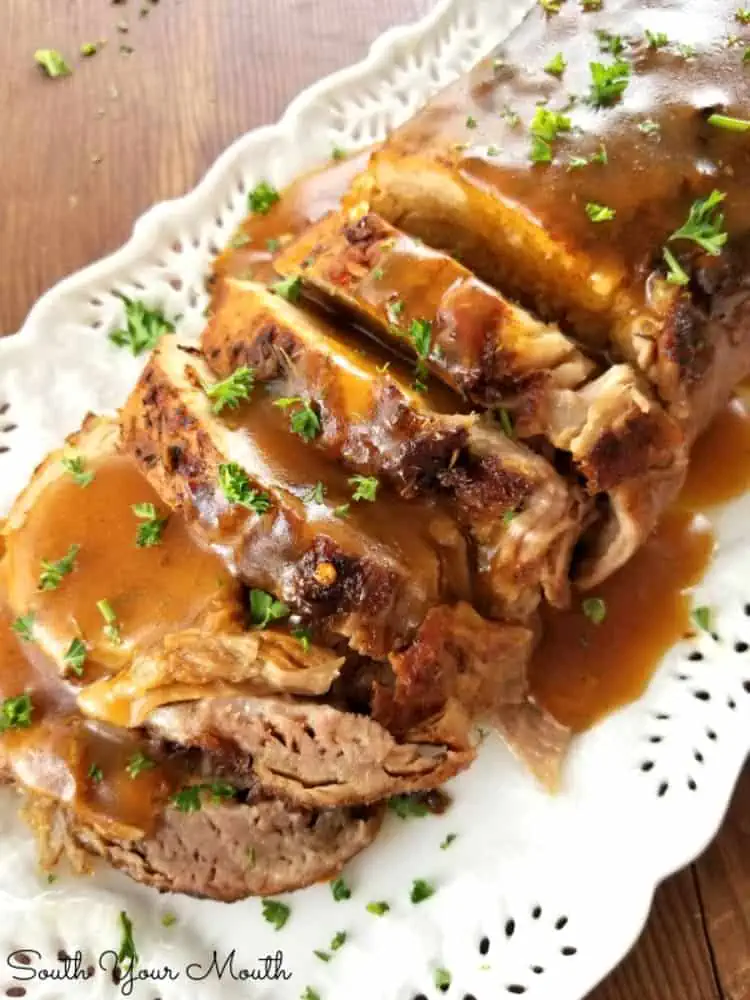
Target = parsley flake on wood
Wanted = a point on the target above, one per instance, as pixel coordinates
(111, 625)
(23, 626)
(52, 62)
(408, 806)
(608, 83)
(729, 123)
(676, 274)
(76, 468)
(595, 609)
(599, 213)
(128, 952)
(304, 421)
(235, 485)
(366, 488)
(340, 890)
(231, 391)
(275, 913)
(75, 657)
(143, 329)
(138, 763)
(379, 908)
(15, 713)
(288, 288)
(557, 65)
(421, 890)
(704, 224)
(53, 573)
(702, 618)
(262, 198)
(264, 609)
(151, 529)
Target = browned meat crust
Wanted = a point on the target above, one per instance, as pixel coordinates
(311, 754)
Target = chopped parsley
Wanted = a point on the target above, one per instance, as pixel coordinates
(264, 609)
(550, 6)
(288, 288)
(53, 572)
(471, 122)
(656, 39)
(408, 806)
(76, 468)
(340, 890)
(728, 123)
(75, 657)
(111, 626)
(377, 273)
(509, 516)
(304, 637)
(262, 198)
(379, 908)
(595, 609)
(337, 153)
(591, 4)
(649, 127)
(322, 955)
(89, 49)
(746, 56)
(338, 940)
(608, 83)
(52, 62)
(23, 626)
(599, 213)
(188, 799)
(393, 310)
(169, 919)
(316, 493)
(702, 618)
(342, 510)
(239, 240)
(511, 117)
(138, 763)
(450, 838)
(742, 14)
(420, 334)
(273, 245)
(506, 423)
(95, 773)
(231, 391)
(128, 952)
(443, 979)
(143, 329)
(310, 994)
(687, 51)
(545, 127)
(676, 274)
(304, 421)
(421, 890)
(275, 913)
(366, 488)
(557, 65)
(15, 713)
(152, 525)
(704, 224)
(235, 485)
(610, 43)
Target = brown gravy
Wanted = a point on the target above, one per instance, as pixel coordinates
(720, 461)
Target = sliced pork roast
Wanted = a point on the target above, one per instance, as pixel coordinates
(374, 421)
(623, 212)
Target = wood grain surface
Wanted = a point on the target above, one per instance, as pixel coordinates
(83, 157)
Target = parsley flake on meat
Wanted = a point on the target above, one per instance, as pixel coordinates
(676, 275)
(304, 421)
(76, 468)
(599, 213)
(151, 529)
(704, 224)
(15, 713)
(608, 83)
(143, 329)
(264, 608)
(595, 609)
(262, 198)
(275, 913)
(52, 62)
(231, 391)
(53, 573)
(188, 799)
(23, 626)
(138, 763)
(75, 657)
(366, 488)
(235, 485)
(729, 123)
(95, 773)
(288, 288)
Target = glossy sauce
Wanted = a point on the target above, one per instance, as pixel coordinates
(720, 460)
(151, 590)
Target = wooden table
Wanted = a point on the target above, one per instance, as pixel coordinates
(83, 157)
